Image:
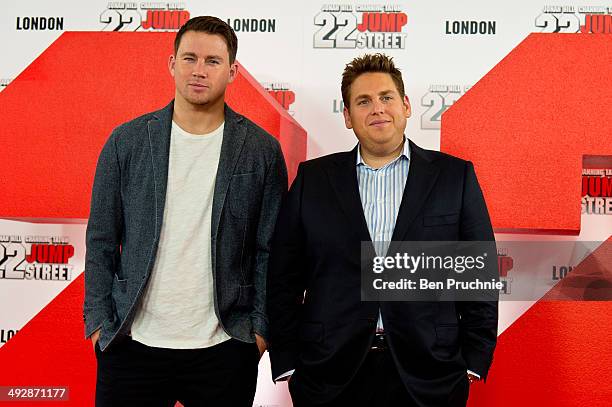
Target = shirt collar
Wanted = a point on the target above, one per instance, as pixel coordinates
(405, 153)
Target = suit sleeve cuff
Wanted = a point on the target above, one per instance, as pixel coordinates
(91, 328)
(260, 326)
(284, 376)
(94, 319)
(477, 363)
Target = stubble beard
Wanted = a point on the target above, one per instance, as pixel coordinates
(205, 100)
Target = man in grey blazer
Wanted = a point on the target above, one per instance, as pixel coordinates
(183, 207)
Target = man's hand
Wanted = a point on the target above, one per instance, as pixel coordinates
(94, 338)
(261, 345)
(472, 378)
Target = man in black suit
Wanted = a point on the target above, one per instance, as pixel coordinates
(335, 349)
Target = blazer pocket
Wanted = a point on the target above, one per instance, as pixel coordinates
(311, 332)
(245, 296)
(244, 195)
(447, 335)
(441, 219)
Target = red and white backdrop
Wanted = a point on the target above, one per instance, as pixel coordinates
(521, 89)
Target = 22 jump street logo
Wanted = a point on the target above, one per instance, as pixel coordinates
(437, 99)
(360, 26)
(122, 16)
(573, 19)
(282, 93)
(48, 258)
(597, 191)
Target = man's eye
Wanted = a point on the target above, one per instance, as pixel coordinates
(213, 61)
(387, 98)
(190, 59)
(362, 102)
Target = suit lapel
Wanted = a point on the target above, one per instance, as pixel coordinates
(234, 134)
(343, 178)
(421, 179)
(159, 139)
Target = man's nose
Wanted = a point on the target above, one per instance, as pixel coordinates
(199, 70)
(378, 106)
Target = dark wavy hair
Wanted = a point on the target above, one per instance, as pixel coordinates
(210, 25)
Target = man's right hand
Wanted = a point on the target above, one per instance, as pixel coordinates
(94, 338)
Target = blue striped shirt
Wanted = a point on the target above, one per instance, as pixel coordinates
(381, 192)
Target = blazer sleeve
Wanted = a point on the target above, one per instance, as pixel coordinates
(478, 322)
(286, 283)
(103, 239)
(275, 187)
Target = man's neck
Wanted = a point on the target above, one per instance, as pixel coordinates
(376, 161)
(198, 119)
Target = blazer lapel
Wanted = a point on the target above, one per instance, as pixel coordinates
(343, 178)
(421, 179)
(234, 134)
(159, 139)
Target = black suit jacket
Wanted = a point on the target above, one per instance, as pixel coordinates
(318, 323)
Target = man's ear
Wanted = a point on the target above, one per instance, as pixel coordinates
(233, 73)
(171, 63)
(407, 105)
(347, 118)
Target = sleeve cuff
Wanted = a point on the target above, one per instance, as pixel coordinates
(260, 326)
(284, 376)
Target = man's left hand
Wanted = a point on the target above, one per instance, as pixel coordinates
(261, 345)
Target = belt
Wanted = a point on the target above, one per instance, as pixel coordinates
(379, 343)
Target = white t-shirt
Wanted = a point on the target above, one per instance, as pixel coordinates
(178, 308)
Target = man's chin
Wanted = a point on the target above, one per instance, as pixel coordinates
(381, 139)
(381, 146)
(205, 101)
(198, 101)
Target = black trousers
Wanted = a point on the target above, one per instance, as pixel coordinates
(132, 374)
(377, 383)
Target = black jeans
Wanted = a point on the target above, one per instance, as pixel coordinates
(133, 374)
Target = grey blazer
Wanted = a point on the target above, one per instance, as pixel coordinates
(127, 207)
